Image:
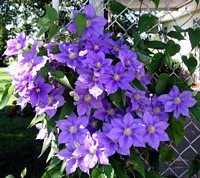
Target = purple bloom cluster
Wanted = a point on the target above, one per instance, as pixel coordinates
(97, 127)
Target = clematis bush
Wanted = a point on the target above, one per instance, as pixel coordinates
(97, 103)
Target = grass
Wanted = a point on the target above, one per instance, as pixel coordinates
(5, 79)
(18, 147)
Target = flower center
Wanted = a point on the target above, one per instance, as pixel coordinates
(128, 63)
(116, 48)
(156, 110)
(116, 77)
(87, 98)
(24, 83)
(93, 149)
(72, 55)
(50, 99)
(137, 97)
(94, 78)
(37, 90)
(151, 129)
(138, 77)
(28, 65)
(177, 100)
(88, 23)
(96, 47)
(127, 131)
(111, 111)
(98, 65)
(73, 129)
(19, 46)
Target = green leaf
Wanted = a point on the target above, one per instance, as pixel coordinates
(36, 119)
(118, 166)
(194, 167)
(155, 44)
(176, 131)
(146, 22)
(194, 35)
(116, 7)
(156, 3)
(166, 154)
(9, 88)
(156, 62)
(55, 49)
(9, 176)
(172, 48)
(42, 51)
(154, 160)
(53, 29)
(137, 161)
(136, 83)
(195, 110)
(44, 21)
(42, 30)
(54, 162)
(161, 83)
(117, 99)
(191, 63)
(143, 58)
(60, 77)
(23, 173)
(51, 13)
(81, 20)
(153, 175)
(178, 29)
(97, 173)
(108, 171)
(67, 108)
(168, 61)
(197, 1)
(176, 35)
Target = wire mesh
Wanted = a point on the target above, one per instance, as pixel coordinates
(185, 14)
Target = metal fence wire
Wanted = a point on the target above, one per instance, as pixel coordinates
(183, 13)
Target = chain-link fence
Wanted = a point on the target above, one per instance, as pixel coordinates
(185, 14)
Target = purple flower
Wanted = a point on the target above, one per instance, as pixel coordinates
(88, 80)
(127, 132)
(16, 45)
(85, 101)
(157, 109)
(177, 102)
(69, 55)
(107, 112)
(143, 77)
(138, 99)
(91, 152)
(155, 130)
(97, 62)
(39, 91)
(94, 24)
(73, 129)
(129, 60)
(55, 100)
(119, 46)
(116, 77)
(29, 61)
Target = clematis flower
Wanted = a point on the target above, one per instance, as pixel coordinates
(94, 24)
(155, 130)
(127, 131)
(73, 129)
(116, 78)
(129, 60)
(39, 91)
(85, 101)
(97, 62)
(55, 100)
(138, 99)
(16, 45)
(91, 152)
(177, 102)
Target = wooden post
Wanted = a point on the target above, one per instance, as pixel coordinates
(55, 4)
(99, 6)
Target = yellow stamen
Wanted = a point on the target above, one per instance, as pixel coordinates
(151, 129)
(127, 131)
(116, 77)
(177, 100)
(72, 55)
(137, 97)
(87, 98)
(73, 129)
(37, 90)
